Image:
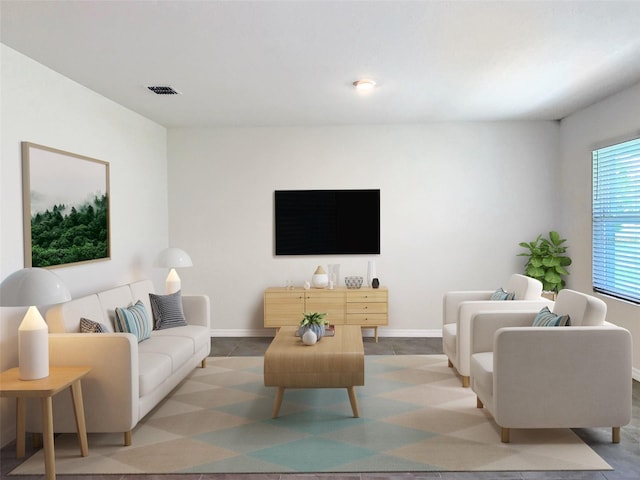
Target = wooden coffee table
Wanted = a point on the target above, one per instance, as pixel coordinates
(333, 362)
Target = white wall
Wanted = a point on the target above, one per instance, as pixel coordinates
(613, 119)
(43, 107)
(456, 199)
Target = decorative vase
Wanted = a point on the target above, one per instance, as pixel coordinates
(375, 283)
(309, 337)
(371, 272)
(320, 278)
(317, 329)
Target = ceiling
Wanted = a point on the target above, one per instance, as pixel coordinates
(283, 63)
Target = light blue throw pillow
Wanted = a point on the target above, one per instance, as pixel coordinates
(546, 318)
(134, 319)
(500, 294)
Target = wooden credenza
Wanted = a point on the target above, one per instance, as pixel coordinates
(367, 307)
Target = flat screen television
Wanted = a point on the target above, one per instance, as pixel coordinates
(327, 222)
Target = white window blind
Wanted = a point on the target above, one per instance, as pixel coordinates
(616, 220)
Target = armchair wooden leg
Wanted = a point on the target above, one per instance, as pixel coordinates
(203, 364)
(479, 403)
(504, 435)
(615, 434)
(466, 381)
(127, 438)
(449, 364)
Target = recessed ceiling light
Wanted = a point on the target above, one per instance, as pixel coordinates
(364, 85)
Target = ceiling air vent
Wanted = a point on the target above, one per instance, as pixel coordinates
(163, 90)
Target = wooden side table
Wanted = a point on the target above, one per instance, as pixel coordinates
(45, 388)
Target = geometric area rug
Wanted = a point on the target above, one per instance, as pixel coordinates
(414, 416)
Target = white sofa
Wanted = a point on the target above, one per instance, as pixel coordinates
(459, 307)
(572, 376)
(127, 378)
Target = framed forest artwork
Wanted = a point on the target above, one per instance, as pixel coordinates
(66, 207)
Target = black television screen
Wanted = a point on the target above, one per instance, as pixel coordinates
(327, 222)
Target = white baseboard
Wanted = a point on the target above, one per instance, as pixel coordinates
(367, 332)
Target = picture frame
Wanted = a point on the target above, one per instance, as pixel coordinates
(66, 214)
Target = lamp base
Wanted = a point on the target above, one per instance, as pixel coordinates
(33, 346)
(172, 283)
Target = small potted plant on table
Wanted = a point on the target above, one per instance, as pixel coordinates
(315, 322)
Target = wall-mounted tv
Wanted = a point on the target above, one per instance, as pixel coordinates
(327, 222)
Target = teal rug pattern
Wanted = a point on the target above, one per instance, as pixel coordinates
(415, 416)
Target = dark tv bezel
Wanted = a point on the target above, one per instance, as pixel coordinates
(371, 248)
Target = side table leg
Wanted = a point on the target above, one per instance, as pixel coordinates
(78, 409)
(354, 401)
(277, 402)
(47, 437)
(21, 413)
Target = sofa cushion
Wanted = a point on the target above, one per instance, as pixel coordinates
(153, 369)
(198, 335)
(482, 370)
(178, 349)
(449, 332)
(65, 317)
(546, 318)
(500, 294)
(89, 326)
(134, 319)
(167, 310)
(109, 300)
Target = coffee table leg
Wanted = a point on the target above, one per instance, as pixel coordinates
(354, 401)
(277, 402)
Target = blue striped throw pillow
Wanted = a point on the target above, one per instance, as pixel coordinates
(546, 318)
(134, 319)
(167, 310)
(500, 294)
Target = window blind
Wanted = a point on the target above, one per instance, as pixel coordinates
(616, 220)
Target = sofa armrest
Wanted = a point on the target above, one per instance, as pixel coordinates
(197, 310)
(110, 390)
(451, 301)
(562, 377)
(485, 324)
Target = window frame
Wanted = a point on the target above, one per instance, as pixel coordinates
(614, 217)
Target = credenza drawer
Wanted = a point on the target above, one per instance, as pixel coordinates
(367, 319)
(366, 307)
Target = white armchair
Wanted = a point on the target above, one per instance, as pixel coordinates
(576, 376)
(460, 306)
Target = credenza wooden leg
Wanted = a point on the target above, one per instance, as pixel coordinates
(504, 435)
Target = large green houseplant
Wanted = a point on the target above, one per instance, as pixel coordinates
(547, 261)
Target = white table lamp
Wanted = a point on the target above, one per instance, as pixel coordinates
(173, 258)
(31, 287)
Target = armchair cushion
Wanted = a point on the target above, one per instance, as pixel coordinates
(546, 318)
